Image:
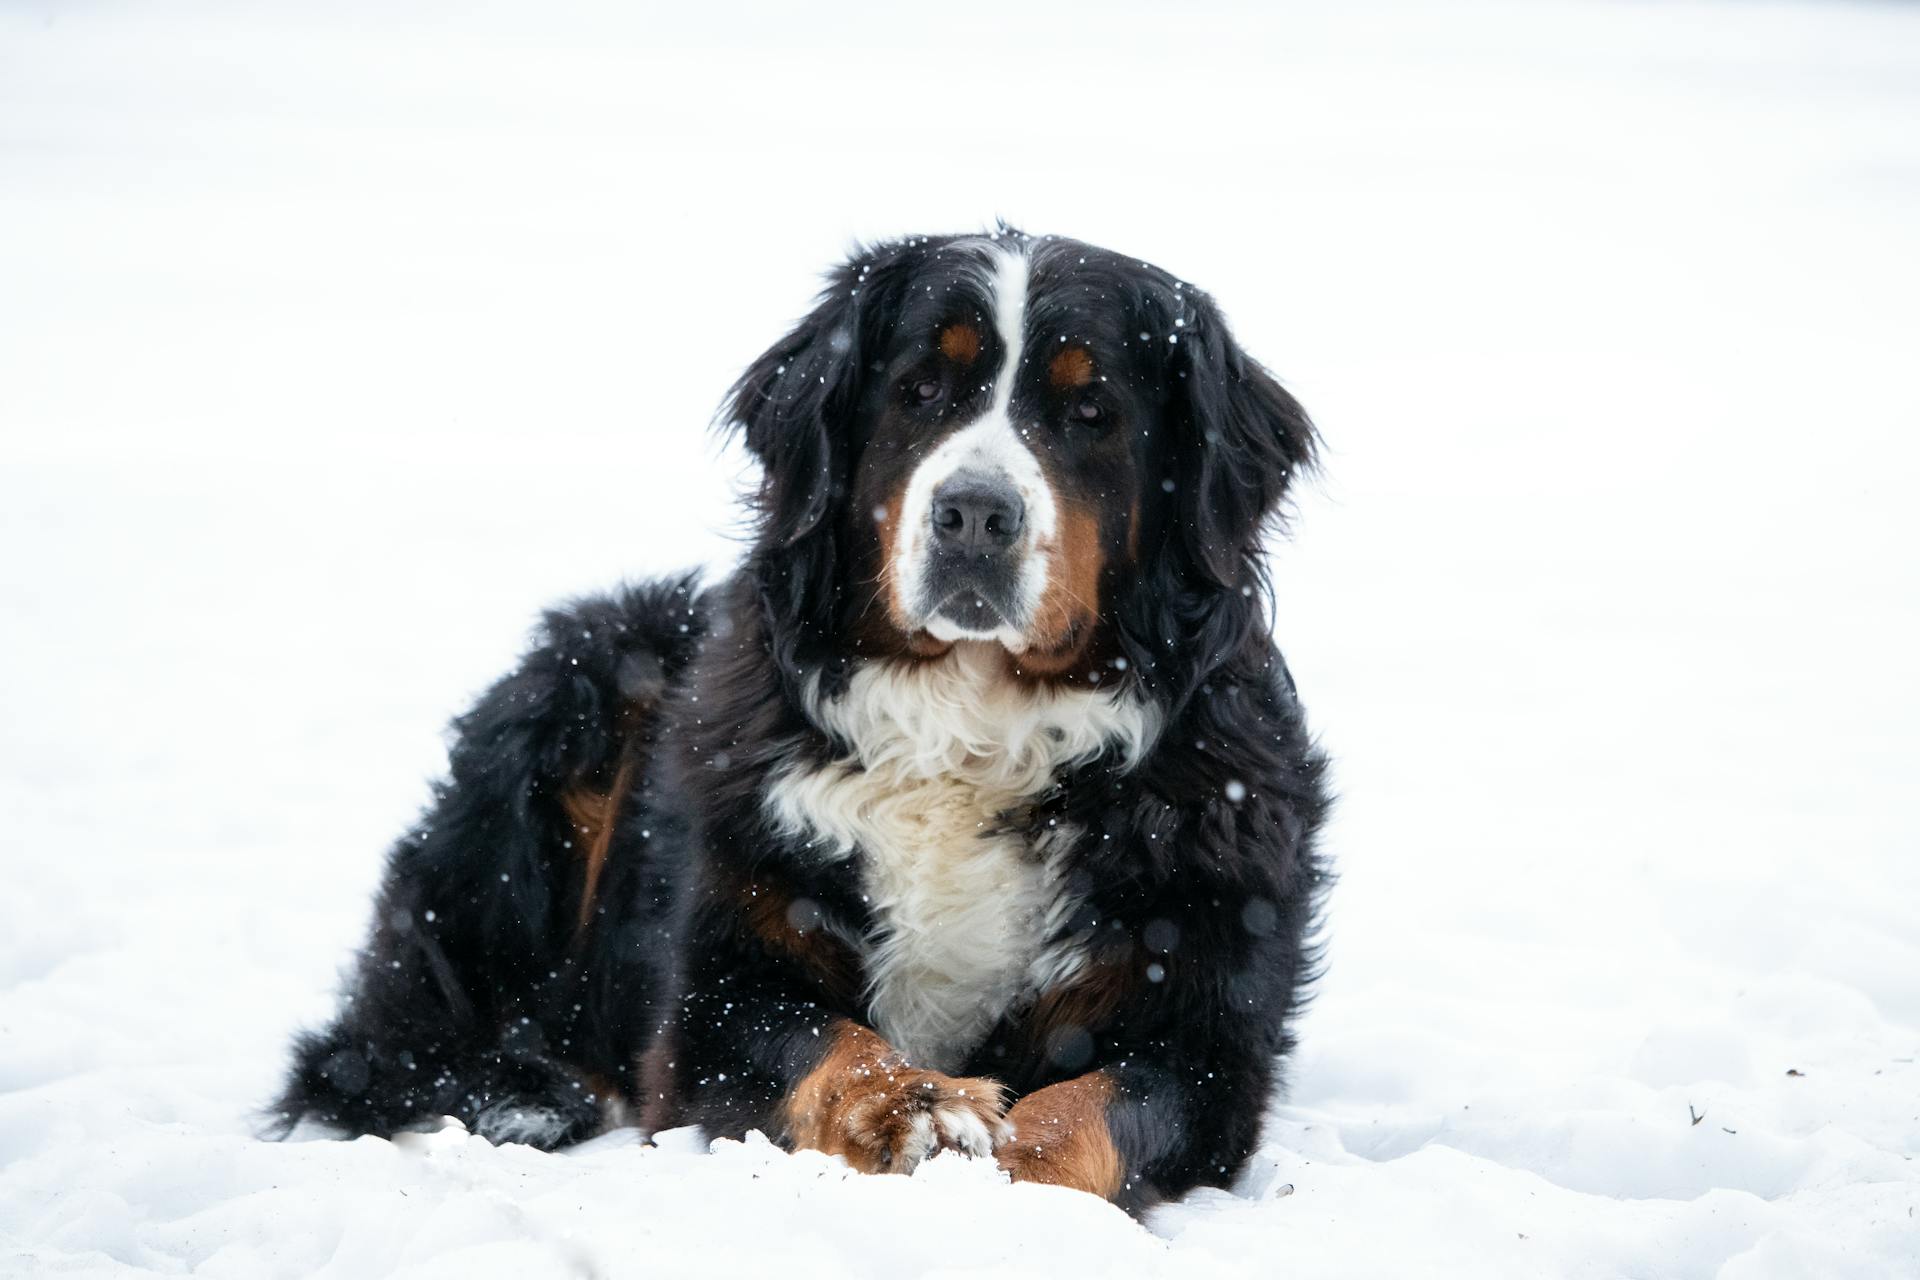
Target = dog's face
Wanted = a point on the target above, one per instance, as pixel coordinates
(1002, 461)
(1002, 434)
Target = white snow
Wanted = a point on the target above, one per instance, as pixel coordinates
(335, 340)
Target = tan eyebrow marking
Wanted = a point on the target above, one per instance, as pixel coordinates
(960, 342)
(1073, 367)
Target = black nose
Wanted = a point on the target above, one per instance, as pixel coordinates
(977, 513)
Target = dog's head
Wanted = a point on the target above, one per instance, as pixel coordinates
(1000, 439)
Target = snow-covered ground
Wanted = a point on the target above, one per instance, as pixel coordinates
(335, 340)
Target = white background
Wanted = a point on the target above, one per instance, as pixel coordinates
(336, 339)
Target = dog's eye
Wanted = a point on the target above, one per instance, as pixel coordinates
(1089, 412)
(927, 390)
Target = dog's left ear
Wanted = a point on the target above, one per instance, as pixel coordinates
(1246, 440)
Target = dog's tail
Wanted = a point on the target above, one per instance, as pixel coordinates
(485, 989)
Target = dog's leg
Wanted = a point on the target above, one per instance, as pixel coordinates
(769, 1035)
(1061, 1135)
(1137, 1134)
(486, 989)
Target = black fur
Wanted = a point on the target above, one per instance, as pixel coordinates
(479, 995)
(475, 989)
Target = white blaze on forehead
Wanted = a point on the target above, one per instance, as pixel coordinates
(994, 445)
(1010, 321)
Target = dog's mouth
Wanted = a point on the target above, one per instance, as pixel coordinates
(974, 598)
(970, 611)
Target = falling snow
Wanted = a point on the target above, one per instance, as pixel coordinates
(337, 342)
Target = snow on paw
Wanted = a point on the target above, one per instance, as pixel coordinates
(864, 1103)
(523, 1120)
(965, 1125)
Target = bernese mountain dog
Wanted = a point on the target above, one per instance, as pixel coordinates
(975, 811)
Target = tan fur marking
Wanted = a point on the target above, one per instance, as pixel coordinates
(860, 1102)
(1072, 367)
(653, 1076)
(960, 342)
(604, 1087)
(592, 815)
(1083, 1004)
(1060, 1136)
(772, 918)
(887, 524)
(615, 1104)
(1070, 610)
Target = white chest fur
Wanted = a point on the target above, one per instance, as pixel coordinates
(963, 906)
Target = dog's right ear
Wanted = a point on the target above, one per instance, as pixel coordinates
(793, 408)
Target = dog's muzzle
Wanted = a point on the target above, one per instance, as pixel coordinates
(975, 546)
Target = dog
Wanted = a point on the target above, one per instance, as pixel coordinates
(976, 810)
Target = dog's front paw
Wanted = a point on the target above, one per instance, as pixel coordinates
(865, 1103)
